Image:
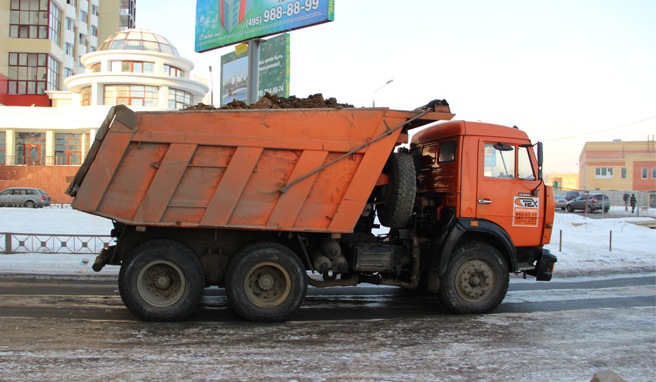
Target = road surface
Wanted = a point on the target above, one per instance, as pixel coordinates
(59, 329)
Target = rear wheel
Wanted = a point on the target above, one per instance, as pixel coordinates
(163, 280)
(30, 204)
(266, 282)
(476, 279)
(569, 208)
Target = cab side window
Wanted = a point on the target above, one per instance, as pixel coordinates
(428, 156)
(447, 152)
(499, 161)
(524, 168)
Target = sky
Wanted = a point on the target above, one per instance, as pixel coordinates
(565, 71)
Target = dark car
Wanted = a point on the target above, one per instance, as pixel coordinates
(593, 202)
(24, 197)
(571, 195)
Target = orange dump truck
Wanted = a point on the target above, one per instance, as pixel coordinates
(265, 202)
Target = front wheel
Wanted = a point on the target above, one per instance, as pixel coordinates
(476, 279)
(163, 280)
(266, 282)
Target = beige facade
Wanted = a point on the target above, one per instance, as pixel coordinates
(563, 182)
(42, 43)
(618, 165)
(116, 15)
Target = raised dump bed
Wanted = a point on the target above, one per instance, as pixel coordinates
(286, 170)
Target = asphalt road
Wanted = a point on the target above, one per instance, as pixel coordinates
(59, 329)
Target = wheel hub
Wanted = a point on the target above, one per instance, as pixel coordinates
(162, 281)
(265, 282)
(475, 280)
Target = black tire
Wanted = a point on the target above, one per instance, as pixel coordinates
(476, 279)
(162, 280)
(570, 209)
(398, 196)
(29, 204)
(266, 282)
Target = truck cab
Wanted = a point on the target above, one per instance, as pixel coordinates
(482, 183)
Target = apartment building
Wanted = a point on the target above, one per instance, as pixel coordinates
(42, 43)
(618, 165)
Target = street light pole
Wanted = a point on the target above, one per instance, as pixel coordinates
(211, 87)
(374, 96)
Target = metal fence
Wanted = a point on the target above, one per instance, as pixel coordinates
(645, 202)
(11, 243)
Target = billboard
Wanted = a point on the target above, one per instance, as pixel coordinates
(273, 71)
(225, 22)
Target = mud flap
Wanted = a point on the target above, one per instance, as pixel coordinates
(104, 258)
(544, 268)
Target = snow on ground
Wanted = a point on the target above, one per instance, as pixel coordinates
(585, 249)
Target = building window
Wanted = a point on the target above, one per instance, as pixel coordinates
(138, 95)
(68, 72)
(3, 147)
(68, 149)
(132, 66)
(85, 96)
(55, 23)
(94, 10)
(604, 172)
(29, 19)
(94, 31)
(31, 148)
(68, 49)
(645, 173)
(653, 172)
(82, 39)
(71, 2)
(70, 24)
(623, 173)
(173, 71)
(54, 72)
(84, 17)
(33, 73)
(178, 99)
(95, 68)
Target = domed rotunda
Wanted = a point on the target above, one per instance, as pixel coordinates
(138, 68)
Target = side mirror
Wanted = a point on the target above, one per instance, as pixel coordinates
(540, 159)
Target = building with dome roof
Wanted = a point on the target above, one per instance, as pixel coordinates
(134, 67)
(44, 146)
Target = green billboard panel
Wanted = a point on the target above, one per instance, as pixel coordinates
(273, 71)
(225, 22)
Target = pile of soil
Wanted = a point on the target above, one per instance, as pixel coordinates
(273, 101)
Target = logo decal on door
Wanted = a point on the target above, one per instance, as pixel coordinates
(525, 211)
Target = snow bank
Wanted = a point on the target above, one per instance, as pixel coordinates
(585, 248)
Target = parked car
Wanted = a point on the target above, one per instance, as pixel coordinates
(561, 202)
(594, 202)
(24, 197)
(571, 195)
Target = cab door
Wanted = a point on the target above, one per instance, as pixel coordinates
(507, 177)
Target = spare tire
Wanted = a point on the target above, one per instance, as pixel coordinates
(397, 198)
